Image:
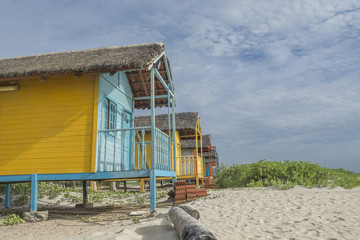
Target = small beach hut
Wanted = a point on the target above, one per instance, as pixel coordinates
(189, 166)
(204, 149)
(211, 162)
(70, 116)
(207, 153)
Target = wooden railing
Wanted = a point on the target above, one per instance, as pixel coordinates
(190, 165)
(130, 149)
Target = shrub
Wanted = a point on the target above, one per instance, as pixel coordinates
(285, 175)
(11, 219)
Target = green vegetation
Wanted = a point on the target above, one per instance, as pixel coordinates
(12, 219)
(285, 175)
(86, 219)
(64, 192)
(136, 220)
(140, 199)
(160, 195)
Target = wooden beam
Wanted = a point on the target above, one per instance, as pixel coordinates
(143, 83)
(132, 77)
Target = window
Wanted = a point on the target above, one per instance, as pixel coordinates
(110, 114)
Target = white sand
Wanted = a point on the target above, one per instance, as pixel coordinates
(262, 213)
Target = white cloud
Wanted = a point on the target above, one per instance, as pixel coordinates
(271, 79)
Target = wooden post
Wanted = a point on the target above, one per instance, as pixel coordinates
(7, 195)
(34, 192)
(142, 185)
(125, 186)
(113, 186)
(187, 226)
(74, 184)
(154, 164)
(95, 185)
(174, 138)
(152, 190)
(85, 193)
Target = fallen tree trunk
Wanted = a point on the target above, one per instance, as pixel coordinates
(188, 227)
(192, 212)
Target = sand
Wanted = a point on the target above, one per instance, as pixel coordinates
(257, 213)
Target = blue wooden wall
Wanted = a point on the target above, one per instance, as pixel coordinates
(115, 149)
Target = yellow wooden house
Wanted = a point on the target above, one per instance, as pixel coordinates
(189, 166)
(70, 116)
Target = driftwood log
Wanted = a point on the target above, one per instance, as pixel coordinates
(188, 227)
(192, 212)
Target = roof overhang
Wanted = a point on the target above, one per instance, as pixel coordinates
(135, 60)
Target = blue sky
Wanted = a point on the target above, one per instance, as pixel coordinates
(275, 80)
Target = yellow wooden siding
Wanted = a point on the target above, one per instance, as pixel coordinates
(47, 126)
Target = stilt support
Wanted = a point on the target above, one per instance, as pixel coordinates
(85, 192)
(142, 185)
(113, 186)
(7, 195)
(152, 190)
(173, 181)
(34, 192)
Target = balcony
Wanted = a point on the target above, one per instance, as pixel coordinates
(129, 149)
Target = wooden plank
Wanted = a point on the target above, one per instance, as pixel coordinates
(44, 171)
(59, 139)
(54, 167)
(77, 160)
(42, 135)
(30, 109)
(48, 114)
(18, 125)
(37, 155)
(49, 131)
(45, 145)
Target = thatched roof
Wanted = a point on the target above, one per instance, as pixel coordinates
(213, 151)
(191, 144)
(96, 60)
(185, 122)
(107, 59)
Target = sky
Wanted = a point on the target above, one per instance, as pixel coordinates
(275, 80)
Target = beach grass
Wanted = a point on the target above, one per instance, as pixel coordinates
(63, 192)
(285, 175)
